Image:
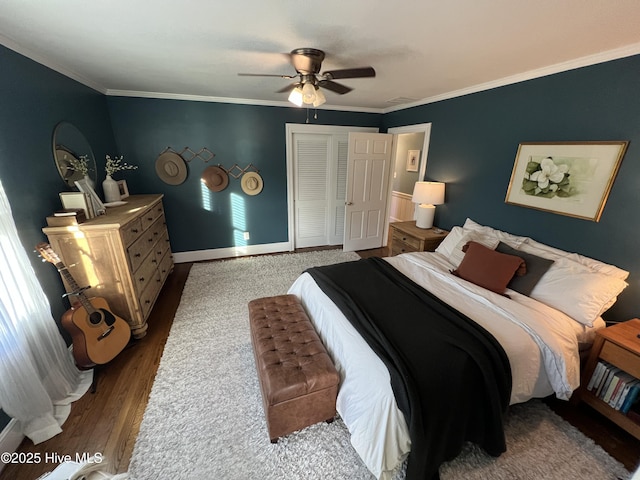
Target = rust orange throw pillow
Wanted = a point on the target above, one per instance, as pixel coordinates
(487, 268)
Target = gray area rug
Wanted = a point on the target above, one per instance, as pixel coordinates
(204, 419)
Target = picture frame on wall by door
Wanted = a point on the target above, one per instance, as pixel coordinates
(567, 178)
(413, 160)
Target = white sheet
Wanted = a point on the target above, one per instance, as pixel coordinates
(541, 343)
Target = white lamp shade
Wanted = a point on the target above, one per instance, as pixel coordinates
(320, 98)
(308, 93)
(295, 96)
(430, 193)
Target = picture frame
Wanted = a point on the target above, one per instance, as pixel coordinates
(98, 206)
(566, 178)
(70, 200)
(124, 189)
(413, 160)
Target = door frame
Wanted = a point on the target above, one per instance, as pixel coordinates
(415, 128)
(290, 130)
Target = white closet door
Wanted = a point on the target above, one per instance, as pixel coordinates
(312, 188)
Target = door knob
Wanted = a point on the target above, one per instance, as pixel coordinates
(348, 203)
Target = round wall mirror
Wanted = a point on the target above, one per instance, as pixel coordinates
(72, 154)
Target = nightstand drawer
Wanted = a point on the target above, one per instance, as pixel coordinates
(411, 242)
(621, 358)
(399, 247)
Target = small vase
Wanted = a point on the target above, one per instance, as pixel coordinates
(111, 190)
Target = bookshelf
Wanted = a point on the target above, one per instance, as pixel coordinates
(619, 347)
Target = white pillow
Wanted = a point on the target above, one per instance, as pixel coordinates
(545, 251)
(450, 241)
(457, 254)
(577, 291)
(513, 241)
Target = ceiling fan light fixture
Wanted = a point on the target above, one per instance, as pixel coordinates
(320, 98)
(308, 93)
(295, 96)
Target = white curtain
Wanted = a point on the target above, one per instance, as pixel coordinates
(38, 377)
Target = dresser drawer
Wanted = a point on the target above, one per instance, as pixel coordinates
(158, 229)
(161, 247)
(146, 273)
(166, 265)
(131, 231)
(150, 216)
(140, 249)
(149, 294)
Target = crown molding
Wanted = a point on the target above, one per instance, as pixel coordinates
(586, 61)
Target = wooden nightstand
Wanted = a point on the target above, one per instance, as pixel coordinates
(620, 346)
(406, 237)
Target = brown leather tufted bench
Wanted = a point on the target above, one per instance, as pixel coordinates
(298, 380)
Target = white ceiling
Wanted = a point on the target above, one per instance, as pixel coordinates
(422, 50)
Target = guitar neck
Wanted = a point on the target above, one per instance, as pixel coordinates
(75, 288)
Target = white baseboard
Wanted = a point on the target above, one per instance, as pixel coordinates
(230, 252)
(10, 439)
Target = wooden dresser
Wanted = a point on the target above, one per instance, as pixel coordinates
(124, 256)
(406, 237)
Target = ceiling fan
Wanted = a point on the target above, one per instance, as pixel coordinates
(307, 63)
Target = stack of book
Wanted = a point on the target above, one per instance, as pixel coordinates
(66, 217)
(614, 386)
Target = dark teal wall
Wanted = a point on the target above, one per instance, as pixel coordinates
(474, 140)
(33, 100)
(238, 134)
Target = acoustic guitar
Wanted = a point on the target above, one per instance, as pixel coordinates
(97, 334)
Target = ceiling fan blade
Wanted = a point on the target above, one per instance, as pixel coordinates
(265, 75)
(334, 87)
(363, 72)
(288, 88)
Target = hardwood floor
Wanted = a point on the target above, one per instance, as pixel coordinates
(107, 422)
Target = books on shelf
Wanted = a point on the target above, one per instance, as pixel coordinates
(614, 386)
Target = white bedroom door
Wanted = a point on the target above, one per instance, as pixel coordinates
(368, 172)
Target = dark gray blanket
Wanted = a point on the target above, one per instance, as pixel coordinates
(450, 377)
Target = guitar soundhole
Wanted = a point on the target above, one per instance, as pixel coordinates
(99, 315)
(95, 318)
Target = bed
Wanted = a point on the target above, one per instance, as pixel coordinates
(542, 330)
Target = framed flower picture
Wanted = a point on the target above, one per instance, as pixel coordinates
(567, 178)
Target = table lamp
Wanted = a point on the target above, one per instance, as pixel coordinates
(427, 195)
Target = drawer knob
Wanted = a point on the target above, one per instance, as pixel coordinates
(138, 255)
(141, 279)
(134, 230)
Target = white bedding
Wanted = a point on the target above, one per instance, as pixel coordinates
(541, 343)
